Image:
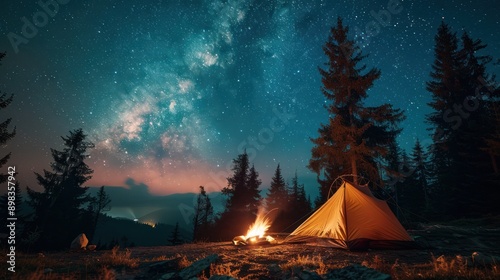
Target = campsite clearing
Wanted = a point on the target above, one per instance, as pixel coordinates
(254, 262)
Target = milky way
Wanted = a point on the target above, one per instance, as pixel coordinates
(171, 91)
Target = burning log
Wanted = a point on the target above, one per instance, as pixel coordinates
(256, 234)
(253, 240)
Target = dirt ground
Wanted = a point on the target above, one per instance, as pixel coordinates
(253, 262)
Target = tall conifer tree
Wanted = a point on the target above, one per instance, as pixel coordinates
(277, 200)
(59, 207)
(253, 185)
(356, 136)
(421, 176)
(243, 197)
(461, 104)
(203, 216)
(299, 206)
(5, 135)
(236, 189)
(277, 196)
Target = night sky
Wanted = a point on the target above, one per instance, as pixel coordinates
(171, 91)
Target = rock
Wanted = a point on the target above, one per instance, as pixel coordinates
(198, 267)
(91, 247)
(80, 242)
(356, 271)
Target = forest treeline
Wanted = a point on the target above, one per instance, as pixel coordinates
(285, 204)
(454, 176)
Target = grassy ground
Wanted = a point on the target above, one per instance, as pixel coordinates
(447, 257)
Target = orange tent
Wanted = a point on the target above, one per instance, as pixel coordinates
(353, 219)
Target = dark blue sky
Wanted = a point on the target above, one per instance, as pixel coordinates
(171, 91)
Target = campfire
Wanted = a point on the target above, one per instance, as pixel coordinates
(256, 234)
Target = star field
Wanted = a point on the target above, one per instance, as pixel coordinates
(171, 91)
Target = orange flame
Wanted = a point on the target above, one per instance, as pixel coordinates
(259, 227)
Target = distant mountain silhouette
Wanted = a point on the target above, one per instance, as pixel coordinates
(127, 233)
(136, 203)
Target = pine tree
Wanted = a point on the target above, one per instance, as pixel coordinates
(298, 199)
(444, 87)
(277, 200)
(299, 206)
(58, 209)
(239, 212)
(393, 172)
(237, 185)
(304, 202)
(203, 216)
(175, 238)
(277, 196)
(478, 126)
(395, 176)
(5, 135)
(98, 205)
(410, 194)
(254, 196)
(355, 136)
(421, 176)
(460, 121)
(293, 192)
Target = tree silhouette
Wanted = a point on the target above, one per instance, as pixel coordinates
(58, 210)
(355, 136)
(243, 196)
(444, 83)
(5, 136)
(421, 176)
(298, 204)
(253, 185)
(203, 216)
(174, 238)
(277, 196)
(237, 189)
(277, 200)
(480, 103)
(396, 174)
(464, 166)
(98, 205)
(410, 195)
